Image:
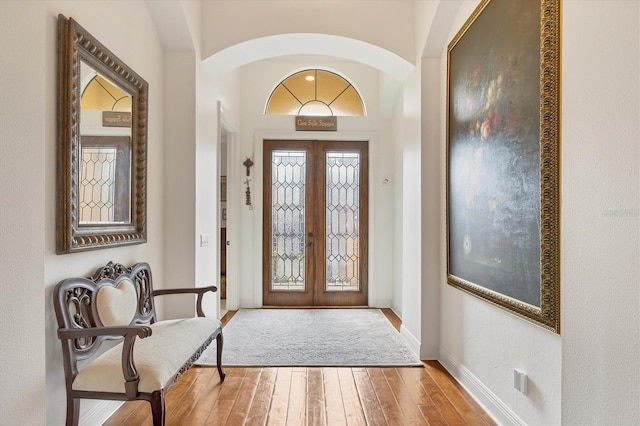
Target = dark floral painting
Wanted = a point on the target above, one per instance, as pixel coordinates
(494, 220)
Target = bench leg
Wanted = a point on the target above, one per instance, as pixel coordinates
(73, 411)
(157, 407)
(219, 356)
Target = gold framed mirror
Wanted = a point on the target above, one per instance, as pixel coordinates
(102, 146)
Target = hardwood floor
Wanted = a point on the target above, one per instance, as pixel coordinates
(313, 396)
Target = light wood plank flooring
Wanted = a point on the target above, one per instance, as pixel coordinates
(314, 396)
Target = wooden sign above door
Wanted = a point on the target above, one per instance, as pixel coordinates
(312, 122)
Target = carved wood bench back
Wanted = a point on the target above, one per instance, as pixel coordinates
(76, 308)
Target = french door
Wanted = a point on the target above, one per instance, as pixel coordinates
(315, 223)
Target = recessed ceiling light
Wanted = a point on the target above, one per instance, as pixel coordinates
(309, 78)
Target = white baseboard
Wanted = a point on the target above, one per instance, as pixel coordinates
(498, 410)
(410, 339)
(99, 412)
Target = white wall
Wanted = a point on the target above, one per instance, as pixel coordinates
(180, 178)
(22, 222)
(396, 183)
(601, 213)
(206, 236)
(411, 262)
(431, 220)
(231, 22)
(191, 172)
(175, 24)
(28, 206)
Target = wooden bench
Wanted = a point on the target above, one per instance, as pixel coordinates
(118, 303)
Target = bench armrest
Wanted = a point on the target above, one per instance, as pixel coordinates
(129, 371)
(141, 331)
(200, 291)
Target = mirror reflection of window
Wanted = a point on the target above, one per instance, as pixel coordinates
(97, 184)
(99, 93)
(104, 185)
(104, 193)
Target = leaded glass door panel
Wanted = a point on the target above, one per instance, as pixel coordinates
(315, 223)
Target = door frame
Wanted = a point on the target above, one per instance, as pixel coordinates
(258, 169)
(232, 255)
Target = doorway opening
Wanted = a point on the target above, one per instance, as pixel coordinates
(225, 136)
(315, 219)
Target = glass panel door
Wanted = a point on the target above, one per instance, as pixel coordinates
(315, 223)
(342, 221)
(288, 172)
(287, 221)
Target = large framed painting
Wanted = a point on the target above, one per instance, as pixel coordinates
(503, 242)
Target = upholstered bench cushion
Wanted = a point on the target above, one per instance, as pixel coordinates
(157, 358)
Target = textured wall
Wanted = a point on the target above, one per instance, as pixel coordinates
(22, 221)
(601, 213)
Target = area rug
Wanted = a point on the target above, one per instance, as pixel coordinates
(311, 337)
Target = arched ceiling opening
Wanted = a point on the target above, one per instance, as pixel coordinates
(393, 68)
(178, 23)
(306, 44)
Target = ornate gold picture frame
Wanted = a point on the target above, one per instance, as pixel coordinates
(503, 187)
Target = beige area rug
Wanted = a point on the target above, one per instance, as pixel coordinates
(311, 337)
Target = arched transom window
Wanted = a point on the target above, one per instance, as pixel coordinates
(315, 92)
